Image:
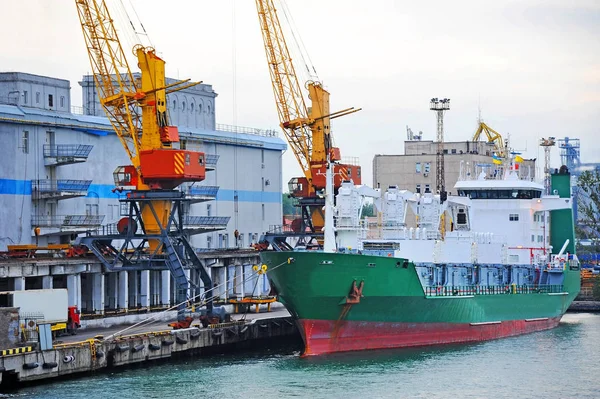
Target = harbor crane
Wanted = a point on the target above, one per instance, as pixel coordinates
(307, 129)
(492, 137)
(136, 106)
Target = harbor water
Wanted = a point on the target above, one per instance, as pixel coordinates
(559, 363)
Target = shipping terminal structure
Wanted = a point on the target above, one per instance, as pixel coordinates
(506, 266)
(56, 183)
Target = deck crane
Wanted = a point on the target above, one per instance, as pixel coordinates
(493, 137)
(137, 110)
(307, 129)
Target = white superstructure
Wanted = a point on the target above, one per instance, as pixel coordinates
(496, 218)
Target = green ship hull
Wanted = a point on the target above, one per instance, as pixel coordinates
(346, 302)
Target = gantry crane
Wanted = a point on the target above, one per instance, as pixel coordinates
(492, 137)
(307, 130)
(137, 109)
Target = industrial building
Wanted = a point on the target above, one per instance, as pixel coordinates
(56, 183)
(415, 170)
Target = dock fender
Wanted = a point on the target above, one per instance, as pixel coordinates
(138, 347)
(154, 347)
(49, 365)
(167, 343)
(31, 365)
(99, 354)
(68, 358)
(180, 340)
(122, 348)
(244, 329)
(194, 334)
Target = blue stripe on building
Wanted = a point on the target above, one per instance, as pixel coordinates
(23, 187)
(15, 187)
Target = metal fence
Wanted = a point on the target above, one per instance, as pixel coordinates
(61, 185)
(206, 221)
(211, 159)
(247, 130)
(67, 150)
(67, 220)
(470, 290)
(207, 191)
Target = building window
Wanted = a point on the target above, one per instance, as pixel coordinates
(25, 142)
(209, 108)
(37, 97)
(454, 150)
(533, 238)
(50, 100)
(174, 104)
(199, 108)
(418, 167)
(240, 242)
(262, 183)
(62, 101)
(192, 107)
(183, 105)
(427, 167)
(513, 258)
(25, 97)
(262, 156)
(418, 189)
(263, 212)
(208, 210)
(540, 238)
(427, 188)
(209, 242)
(513, 217)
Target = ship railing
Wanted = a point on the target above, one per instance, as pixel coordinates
(471, 290)
(247, 130)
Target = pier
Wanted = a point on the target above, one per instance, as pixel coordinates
(95, 350)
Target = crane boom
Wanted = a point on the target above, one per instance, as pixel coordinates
(112, 75)
(493, 137)
(291, 107)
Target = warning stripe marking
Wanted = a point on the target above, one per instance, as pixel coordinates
(16, 351)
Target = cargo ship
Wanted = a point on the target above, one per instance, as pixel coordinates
(495, 260)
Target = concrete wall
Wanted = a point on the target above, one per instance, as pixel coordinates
(193, 107)
(34, 91)
(9, 328)
(417, 167)
(249, 168)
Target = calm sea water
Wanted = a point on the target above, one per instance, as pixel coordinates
(560, 363)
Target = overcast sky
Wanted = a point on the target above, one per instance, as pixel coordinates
(533, 66)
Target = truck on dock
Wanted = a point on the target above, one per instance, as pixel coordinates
(47, 306)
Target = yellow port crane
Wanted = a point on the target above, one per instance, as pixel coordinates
(307, 129)
(137, 110)
(492, 137)
(146, 136)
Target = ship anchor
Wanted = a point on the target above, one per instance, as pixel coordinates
(355, 293)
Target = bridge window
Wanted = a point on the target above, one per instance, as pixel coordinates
(500, 194)
(513, 217)
(461, 217)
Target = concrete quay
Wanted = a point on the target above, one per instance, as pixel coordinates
(88, 352)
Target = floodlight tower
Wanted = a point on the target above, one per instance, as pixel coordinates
(547, 144)
(439, 106)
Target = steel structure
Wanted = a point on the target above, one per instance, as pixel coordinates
(547, 144)
(492, 137)
(138, 112)
(307, 129)
(440, 106)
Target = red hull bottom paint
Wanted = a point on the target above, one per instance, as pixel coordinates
(326, 336)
